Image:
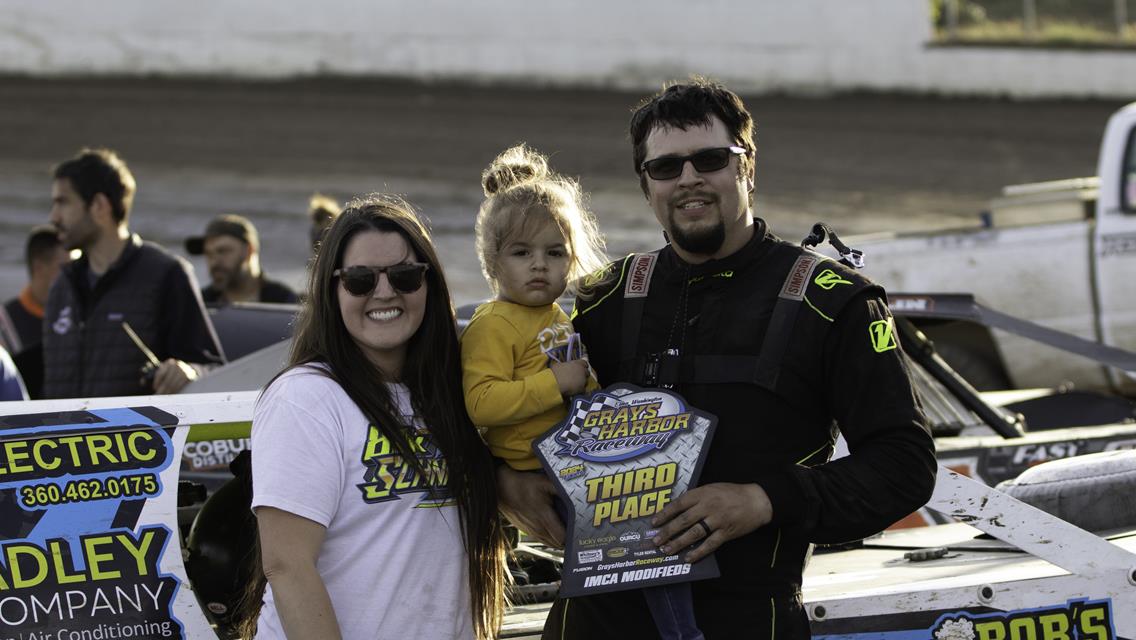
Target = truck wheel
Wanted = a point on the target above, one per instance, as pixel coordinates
(976, 368)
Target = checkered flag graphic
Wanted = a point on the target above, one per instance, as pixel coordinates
(580, 410)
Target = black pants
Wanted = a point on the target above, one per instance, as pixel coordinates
(624, 615)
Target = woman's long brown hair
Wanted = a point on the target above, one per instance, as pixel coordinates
(432, 373)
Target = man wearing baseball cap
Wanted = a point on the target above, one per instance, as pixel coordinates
(232, 251)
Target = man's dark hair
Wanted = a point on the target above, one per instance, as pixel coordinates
(43, 241)
(691, 104)
(95, 171)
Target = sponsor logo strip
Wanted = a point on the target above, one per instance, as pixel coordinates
(882, 333)
(794, 287)
(639, 277)
(829, 279)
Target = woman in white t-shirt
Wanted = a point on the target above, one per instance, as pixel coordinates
(374, 494)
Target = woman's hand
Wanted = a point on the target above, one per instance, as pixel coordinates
(289, 548)
(526, 500)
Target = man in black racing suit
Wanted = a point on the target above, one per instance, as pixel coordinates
(783, 345)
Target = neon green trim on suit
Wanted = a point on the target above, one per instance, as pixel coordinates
(564, 618)
(622, 273)
(776, 547)
(812, 453)
(777, 543)
(819, 312)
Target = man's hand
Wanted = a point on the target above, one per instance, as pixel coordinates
(172, 375)
(728, 510)
(571, 376)
(526, 500)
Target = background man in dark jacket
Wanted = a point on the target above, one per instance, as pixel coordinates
(21, 318)
(231, 247)
(119, 284)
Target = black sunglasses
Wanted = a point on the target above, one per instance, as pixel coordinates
(705, 161)
(361, 280)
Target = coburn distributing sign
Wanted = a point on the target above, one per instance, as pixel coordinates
(621, 455)
(88, 523)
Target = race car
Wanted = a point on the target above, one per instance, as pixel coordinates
(128, 517)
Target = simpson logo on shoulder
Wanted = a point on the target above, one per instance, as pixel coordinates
(618, 458)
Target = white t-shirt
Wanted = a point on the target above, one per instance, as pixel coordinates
(393, 559)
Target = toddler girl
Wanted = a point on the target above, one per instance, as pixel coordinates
(520, 356)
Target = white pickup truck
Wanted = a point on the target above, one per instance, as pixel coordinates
(1061, 254)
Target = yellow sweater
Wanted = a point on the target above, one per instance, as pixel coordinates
(509, 389)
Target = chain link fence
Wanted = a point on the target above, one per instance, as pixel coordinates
(1036, 22)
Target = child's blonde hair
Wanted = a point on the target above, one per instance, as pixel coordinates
(522, 193)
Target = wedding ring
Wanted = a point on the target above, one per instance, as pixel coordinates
(705, 527)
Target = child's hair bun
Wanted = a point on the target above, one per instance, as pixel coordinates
(516, 165)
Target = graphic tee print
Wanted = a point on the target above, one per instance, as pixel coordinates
(393, 560)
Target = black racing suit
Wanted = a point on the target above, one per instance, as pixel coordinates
(840, 366)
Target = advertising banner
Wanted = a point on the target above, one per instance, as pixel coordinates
(1076, 618)
(619, 457)
(89, 543)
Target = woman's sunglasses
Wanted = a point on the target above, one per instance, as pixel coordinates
(705, 161)
(361, 281)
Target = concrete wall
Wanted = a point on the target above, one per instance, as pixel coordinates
(754, 45)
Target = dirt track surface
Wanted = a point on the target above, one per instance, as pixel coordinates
(198, 148)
